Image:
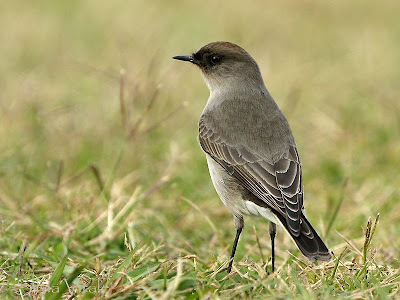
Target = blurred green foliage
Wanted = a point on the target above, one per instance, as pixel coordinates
(73, 181)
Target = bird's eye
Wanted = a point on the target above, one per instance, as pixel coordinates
(214, 59)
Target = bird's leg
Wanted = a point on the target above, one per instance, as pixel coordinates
(272, 233)
(239, 226)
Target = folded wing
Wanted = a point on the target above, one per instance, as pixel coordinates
(278, 184)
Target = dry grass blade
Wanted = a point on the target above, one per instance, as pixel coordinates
(104, 214)
(21, 255)
(59, 175)
(74, 177)
(136, 125)
(167, 117)
(352, 246)
(38, 182)
(116, 224)
(96, 172)
(111, 229)
(164, 179)
(214, 228)
(259, 245)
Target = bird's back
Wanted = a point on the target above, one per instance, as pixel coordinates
(252, 121)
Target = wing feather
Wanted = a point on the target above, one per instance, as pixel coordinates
(278, 184)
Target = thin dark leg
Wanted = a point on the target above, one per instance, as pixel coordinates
(235, 242)
(272, 234)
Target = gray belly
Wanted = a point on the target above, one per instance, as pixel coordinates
(235, 197)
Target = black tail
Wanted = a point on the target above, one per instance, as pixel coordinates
(308, 241)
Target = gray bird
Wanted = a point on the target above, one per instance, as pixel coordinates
(251, 153)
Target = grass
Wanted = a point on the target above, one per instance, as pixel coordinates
(104, 192)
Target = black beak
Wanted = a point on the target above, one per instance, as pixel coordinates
(189, 58)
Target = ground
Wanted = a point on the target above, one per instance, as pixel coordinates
(104, 192)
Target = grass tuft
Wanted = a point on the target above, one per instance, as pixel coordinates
(104, 192)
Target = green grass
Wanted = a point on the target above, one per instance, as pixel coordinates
(104, 192)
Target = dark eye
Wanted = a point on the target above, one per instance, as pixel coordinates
(215, 59)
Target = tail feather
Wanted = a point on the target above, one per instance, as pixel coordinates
(308, 241)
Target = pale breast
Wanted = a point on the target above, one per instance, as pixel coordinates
(235, 197)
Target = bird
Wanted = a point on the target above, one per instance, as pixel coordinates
(250, 150)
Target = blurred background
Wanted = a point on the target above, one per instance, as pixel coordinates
(98, 126)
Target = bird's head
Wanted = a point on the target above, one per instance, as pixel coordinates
(224, 63)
